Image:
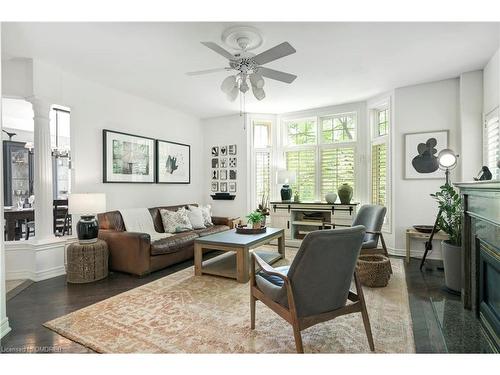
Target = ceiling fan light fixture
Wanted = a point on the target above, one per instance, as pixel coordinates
(233, 93)
(244, 86)
(256, 80)
(258, 93)
(228, 84)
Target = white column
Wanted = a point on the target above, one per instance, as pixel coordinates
(43, 170)
(4, 321)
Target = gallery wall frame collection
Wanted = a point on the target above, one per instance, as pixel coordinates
(224, 172)
(130, 158)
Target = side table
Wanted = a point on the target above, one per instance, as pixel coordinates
(87, 262)
(413, 233)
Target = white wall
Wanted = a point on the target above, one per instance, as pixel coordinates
(223, 131)
(492, 83)
(95, 107)
(4, 321)
(471, 120)
(426, 107)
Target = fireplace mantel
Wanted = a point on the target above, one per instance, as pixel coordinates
(481, 254)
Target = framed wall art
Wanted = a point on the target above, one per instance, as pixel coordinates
(128, 158)
(173, 162)
(421, 151)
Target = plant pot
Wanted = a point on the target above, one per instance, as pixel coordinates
(345, 193)
(452, 261)
(256, 225)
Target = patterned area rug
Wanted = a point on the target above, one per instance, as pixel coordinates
(182, 313)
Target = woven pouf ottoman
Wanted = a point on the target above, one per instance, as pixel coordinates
(373, 270)
(87, 262)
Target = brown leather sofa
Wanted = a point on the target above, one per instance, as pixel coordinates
(135, 253)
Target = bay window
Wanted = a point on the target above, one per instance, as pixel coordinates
(380, 159)
(322, 151)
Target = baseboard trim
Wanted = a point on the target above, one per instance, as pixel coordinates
(35, 276)
(4, 327)
(414, 253)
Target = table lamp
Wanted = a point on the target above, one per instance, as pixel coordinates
(87, 205)
(286, 178)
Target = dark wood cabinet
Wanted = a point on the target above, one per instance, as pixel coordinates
(17, 172)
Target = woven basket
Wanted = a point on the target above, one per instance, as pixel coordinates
(373, 270)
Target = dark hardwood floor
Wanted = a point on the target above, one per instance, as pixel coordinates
(440, 324)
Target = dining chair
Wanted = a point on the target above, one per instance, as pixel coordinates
(315, 288)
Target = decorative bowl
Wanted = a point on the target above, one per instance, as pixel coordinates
(425, 228)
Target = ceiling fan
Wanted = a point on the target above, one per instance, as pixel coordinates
(248, 66)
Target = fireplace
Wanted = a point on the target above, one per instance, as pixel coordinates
(481, 255)
(489, 291)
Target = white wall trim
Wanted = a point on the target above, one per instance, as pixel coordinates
(434, 254)
(36, 261)
(4, 327)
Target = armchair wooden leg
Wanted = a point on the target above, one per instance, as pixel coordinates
(364, 312)
(252, 311)
(386, 253)
(298, 338)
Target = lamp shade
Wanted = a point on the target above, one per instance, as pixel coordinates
(447, 158)
(86, 203)
(286, 177)
(228, 84)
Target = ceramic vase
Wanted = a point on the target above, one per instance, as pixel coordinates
(345, 193)
(331, 197)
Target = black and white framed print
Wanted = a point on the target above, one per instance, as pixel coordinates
(223, 174)
(215, 186)
(232, 187)
(215, 163)
(421, 151)
(215, 174)
(223, 162)
(231, 149)
(128, 158)
(232, 174)
(223, 187)
(215, 151)
(173, 162)
(223, 150)
(232, 162)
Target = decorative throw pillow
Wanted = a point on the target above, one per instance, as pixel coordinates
(175, 221)
(207, 215)
(195, 215)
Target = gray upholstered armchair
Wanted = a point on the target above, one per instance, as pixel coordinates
(315, 288)
(371, 216)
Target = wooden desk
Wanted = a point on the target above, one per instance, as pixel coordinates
(12, 215)
(413, 233)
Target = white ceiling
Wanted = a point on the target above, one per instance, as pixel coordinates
(335, 62)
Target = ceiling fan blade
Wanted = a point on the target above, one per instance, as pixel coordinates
(277, 75)
(199, 72)
(218, 49)
(277, 52)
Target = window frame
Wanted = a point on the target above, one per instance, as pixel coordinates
(376, 139)
(252, 199)
(319, 145)
(487, 119)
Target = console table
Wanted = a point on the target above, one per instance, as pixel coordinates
(481, 255)
(299, 218)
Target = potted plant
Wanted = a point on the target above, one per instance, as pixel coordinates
(255, 218)
(450, 221)
(263, 208)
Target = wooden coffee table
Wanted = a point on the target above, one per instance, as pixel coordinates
(235, 262)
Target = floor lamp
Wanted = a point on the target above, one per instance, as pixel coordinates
(447, 161)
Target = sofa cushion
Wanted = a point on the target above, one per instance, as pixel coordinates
(173, 243)
(211, 230)
(175, 221)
